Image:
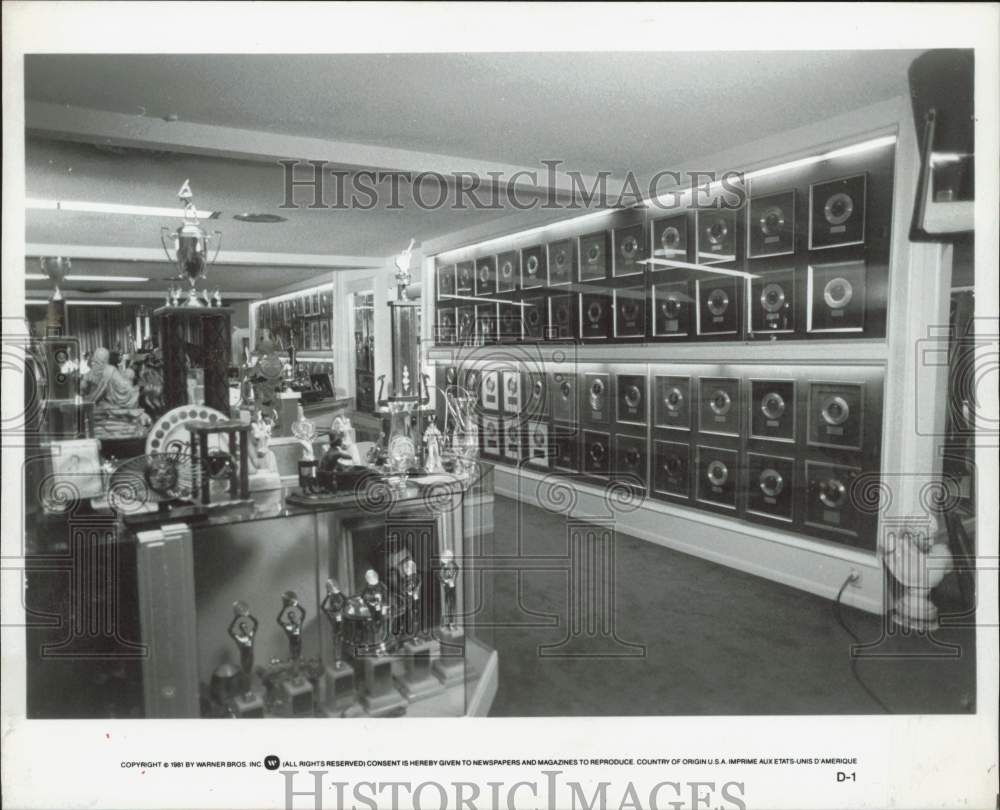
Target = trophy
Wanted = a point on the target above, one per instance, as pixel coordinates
(432, 455)
(381, 697)
(450, 667)
(243, 630)
(190, 246)
(339, 676)
(305, 431)
(296, 691)
(418, 681)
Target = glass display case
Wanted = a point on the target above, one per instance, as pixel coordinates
(368, 604)
(364, 351)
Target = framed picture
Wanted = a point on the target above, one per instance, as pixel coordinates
(325, 334)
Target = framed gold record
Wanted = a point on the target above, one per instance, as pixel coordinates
(771, 225)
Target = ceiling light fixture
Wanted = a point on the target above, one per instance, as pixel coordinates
(74, 277)
(260, 219)
(75, 303)
(111, 208)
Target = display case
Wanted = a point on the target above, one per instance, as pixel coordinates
(366, 603)
(364, 351)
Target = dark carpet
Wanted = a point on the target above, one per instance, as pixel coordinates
(716, 640)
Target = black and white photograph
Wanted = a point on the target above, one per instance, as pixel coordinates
(483, 405)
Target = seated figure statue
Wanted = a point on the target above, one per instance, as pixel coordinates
(116, 399)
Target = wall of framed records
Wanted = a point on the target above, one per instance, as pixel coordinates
(757, 438)
(303, 319)
(815, 238)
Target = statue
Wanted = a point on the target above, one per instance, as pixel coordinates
(305, 431)
(106, 386)
(242, 630)
(291, 617)
(263, 466)
(432, 441)
(116, 400)
(448, 576)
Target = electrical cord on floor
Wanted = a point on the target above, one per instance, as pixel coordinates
(854, 661)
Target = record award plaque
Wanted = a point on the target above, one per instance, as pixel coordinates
(771, 225)
(630, 250)
(560, 262)
(594, 257)
(837, 213)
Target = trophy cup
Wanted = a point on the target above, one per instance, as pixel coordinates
(339, 680)
(450, 666)
(381, 696)
(190, 247)
(242, 630)
(418, 680)
(296, 695)
(56, 268)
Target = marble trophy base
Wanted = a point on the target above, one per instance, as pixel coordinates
(381, 697)
(248, 705)
(450, 667)
(264, 480)
(338, 685)
(418, 680)
(295, 698)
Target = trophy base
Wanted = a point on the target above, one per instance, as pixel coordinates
(295, 699)
(248, 706)
(450, 666)
(339, 688)
(418, 681)
(381, 697)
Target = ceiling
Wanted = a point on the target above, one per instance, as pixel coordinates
(594, 111)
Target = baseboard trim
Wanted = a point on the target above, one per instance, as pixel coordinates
(799, 562)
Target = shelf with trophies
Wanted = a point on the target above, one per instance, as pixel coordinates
(355, 592)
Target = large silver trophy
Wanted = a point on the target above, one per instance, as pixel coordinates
(190, 246)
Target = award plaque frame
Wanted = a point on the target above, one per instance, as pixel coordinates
(771, 225)
(629, 250)
(715, 228)
(561, 262)
(838, 212)
(771, 486)
(671, 469)
(508, 271)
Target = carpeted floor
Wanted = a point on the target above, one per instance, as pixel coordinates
(717, 641)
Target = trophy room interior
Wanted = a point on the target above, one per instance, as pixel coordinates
(311, 434)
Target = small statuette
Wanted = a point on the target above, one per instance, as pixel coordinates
(448, 575)
(217, 298)
(291, 617)
(305, 431)
(432, 441)
(376, 598)
(243, 630)
(333, 608)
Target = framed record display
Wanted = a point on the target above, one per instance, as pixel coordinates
(716, 232)
(717, 311)
(836, 415)
(672, 307)
(770, 486)
(534, 311)
(325, 334)
(772, 410)
(508, 270)
(629, 250)
(771, 225)
(562, 311)
(446, 331)
(594, 256)
(533, 267)
(672, 403)
(670, 238)
(629, 312)
(717, 476)
(465, 278)
(837, 212)
(560, 264)
(671, 469)
(828, 497)
(772, 302)
(595, 316)
(719, 406)
(466, 323)
(836, 294)
(486, 273)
